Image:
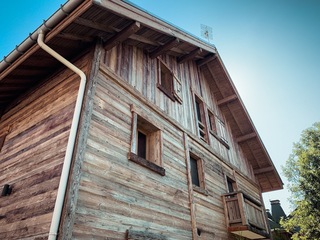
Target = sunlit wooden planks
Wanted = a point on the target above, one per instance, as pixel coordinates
(33, 155)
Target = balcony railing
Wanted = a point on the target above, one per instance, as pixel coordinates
(245, 216)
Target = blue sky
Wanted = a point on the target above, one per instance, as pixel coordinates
(271, 49)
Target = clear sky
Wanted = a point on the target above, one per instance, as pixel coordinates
(271, 49)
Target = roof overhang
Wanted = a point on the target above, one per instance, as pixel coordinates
(77, 25)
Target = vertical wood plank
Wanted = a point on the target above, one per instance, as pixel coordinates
(190, 187)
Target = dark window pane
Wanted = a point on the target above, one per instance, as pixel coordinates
(198, 111)
(230, 185)
(142, 145)
(194, 172)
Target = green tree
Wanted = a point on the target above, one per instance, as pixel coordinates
(303, 172)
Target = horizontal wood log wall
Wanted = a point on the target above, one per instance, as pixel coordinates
(140, 71)
(33, 153)
(116, 195)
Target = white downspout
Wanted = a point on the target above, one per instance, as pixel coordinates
(71, 141)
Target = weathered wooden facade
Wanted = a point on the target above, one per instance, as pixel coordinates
(164, 149)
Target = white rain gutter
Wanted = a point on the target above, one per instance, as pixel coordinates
(71, 141)
(47, 25)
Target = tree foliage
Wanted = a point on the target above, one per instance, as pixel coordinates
(303, 172)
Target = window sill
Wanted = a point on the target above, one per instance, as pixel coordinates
(166, 92)
(200, 190)
(223, 142)
(147, 164)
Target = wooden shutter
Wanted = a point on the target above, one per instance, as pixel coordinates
(177, 89)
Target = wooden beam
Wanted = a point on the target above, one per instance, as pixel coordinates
(246, 137)
(141, 235)
(95, 25)
(210, 57)
(263, 170)
(189, 56)
(122, 35)
(164, 48)
(147, 164)
(226, 100)
(190, 186)
(75, 37)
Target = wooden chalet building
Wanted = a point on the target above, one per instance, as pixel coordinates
(146, 138)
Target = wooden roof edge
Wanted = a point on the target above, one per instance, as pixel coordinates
(50, 27)
(128, 9)
(257, 136)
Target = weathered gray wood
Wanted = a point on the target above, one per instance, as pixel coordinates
(145, 163)
(72, 196)
(143, 235)
(122, 35)
(164, 48)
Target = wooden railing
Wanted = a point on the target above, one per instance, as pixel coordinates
(243, 213)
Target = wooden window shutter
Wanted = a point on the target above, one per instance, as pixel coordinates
(177, 89)
(222, 129)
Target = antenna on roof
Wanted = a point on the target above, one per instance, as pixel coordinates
(206, 32)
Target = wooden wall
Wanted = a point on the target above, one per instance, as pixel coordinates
(32, 156)
(115, 194)
(136, 68)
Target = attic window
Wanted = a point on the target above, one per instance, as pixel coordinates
(212, 122)
(146, 144)
(168, 83)
(200, 118)
(222, 132)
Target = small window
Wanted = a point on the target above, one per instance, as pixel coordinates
(212, 122)
(146, 144)
(231, 185)
(194, 172)
(197, 173)
(200, 119)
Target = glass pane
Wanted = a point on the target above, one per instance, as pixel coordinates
(198, 111)
(142, 145)
(230, 185)
(194, 172)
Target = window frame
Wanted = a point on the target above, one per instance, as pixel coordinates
(202, 126)
(168, 88)
(173, 86)
(201, 188)
(212, 122)
(153, 159)
(232, 180)
(221, 127)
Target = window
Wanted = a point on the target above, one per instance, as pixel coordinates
(222, 130)
(212, 122)
(146, 144)
(165, 81)
(197, 174)
(168, 83)
(231, 185)
(200, 119)
(194, 172)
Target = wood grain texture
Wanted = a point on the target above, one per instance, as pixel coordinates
(32, 155)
